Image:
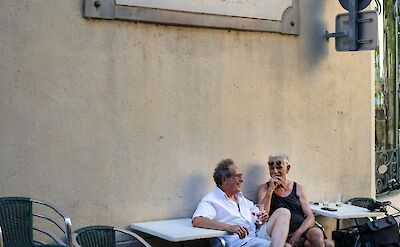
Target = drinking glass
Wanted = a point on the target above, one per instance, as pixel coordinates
(339, 197)
(261, 209)
(325, 202)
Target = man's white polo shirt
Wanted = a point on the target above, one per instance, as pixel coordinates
(217, 206)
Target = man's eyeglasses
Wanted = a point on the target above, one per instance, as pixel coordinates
(278, 163)
(239, 175)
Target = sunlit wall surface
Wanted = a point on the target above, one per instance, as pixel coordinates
(119, 122)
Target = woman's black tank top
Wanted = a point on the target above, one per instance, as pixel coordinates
(292, 203)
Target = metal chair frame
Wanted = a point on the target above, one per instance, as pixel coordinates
(1, 238)
(66, 228)
(216, 242)
(132, 234)
(361, 202)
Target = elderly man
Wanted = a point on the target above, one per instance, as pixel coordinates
(227, 209)
(281, 192)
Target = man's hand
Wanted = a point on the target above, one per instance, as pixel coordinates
(239, 230)
(294, 240)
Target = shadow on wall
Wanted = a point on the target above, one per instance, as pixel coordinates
(254, 176)
(193, 189)
(314, 27)
(196, 186)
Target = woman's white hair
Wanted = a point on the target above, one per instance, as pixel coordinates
(283, 156)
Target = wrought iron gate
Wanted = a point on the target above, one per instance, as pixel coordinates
(387, 97)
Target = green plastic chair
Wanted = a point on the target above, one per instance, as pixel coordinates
(101, 236)
(16, 223)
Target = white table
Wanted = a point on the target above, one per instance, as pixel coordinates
(346, 211)
(176, 230)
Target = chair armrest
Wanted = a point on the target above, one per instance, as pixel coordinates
(74, 241)
(319, 225)
(67, 230)
(68, 233)
(223, 243)
(1, 238)
(217, 242)
(132, 234)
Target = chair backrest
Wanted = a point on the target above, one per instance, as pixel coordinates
(363, 202)
(16, 221)
(96, 236)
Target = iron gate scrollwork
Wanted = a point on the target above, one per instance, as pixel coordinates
(386, 168)
(387, 98)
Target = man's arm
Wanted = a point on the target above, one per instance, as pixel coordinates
(208, 223)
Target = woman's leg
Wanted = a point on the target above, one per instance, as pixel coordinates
(278, 227)
(315, 238)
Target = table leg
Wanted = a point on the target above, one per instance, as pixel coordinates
(337, 224)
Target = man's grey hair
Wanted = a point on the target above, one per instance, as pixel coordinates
(222, 171)
(283, 156)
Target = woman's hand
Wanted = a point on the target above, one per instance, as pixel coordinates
(294, 240)
(274, 182)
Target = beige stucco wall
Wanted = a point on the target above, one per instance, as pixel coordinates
(119, 122)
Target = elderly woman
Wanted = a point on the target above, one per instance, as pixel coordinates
(281, 192)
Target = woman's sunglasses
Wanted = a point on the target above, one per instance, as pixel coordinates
(278, 163)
